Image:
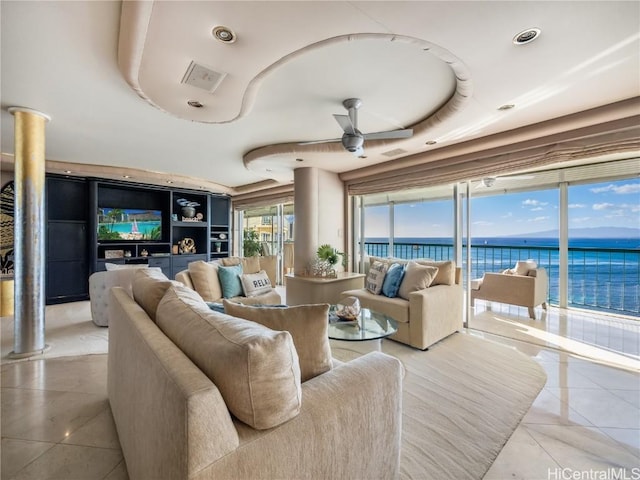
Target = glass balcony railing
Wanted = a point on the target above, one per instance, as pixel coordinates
(604, 279)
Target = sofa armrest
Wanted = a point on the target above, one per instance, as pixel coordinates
(353, 406)
(435, 313)
(512, 289)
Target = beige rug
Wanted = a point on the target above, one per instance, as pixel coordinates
(463, 398)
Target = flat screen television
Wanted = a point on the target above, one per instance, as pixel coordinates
(129, 224)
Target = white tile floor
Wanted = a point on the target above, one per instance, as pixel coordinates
(587, 418)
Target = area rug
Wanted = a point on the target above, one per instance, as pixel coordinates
(462, 400)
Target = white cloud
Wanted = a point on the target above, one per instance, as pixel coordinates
(539, 219)
(537, 209)
(580, 219)
(530, 202)
(615, 214)
(603, 206)
(508, 215)
(618, 189)
(482, 223)
(577, 205)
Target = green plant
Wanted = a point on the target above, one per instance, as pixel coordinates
(250, 243)
(328, 254)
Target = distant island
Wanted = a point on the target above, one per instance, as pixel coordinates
(594, 232)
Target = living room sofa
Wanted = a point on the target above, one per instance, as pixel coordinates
(174, 422)
(429, 315)
(203, 278)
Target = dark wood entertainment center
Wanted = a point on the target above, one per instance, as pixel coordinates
(74, 250)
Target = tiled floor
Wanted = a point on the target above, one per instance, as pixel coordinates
(56, 421)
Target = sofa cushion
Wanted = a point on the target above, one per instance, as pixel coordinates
(523, 266)
(249, 264)
(230, 282)
(307, 324)
(392, 280)
(375, 277)
(204, 276)
(255, 368)
(416, 277)
(270, 265)
(116, 266)
(254, 284)
(148, 287)
(446, 271)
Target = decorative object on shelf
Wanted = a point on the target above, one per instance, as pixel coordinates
(144, 253)
(222, 236)
(199, 216)
(324, 264)
(187, 245)
(127, 254)
(218, 246)
(175, 249)
(113, 253)
(174, 217)
(188, 208)
(348, 308)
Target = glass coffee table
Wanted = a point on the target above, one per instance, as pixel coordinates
(369, 329)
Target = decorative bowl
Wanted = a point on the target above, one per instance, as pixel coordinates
(348, 308)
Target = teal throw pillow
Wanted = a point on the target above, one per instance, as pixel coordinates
(392, 280)
(230, 281)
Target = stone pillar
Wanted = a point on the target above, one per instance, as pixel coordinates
(29, 234)
(319, 211)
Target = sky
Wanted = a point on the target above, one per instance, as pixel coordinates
(609, 204)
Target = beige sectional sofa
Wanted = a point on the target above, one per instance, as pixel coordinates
(430, 314)
(185, 406)
(203, 278)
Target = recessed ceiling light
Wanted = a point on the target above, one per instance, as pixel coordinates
(169, 181)
(362, 156)
(67, 171)
(299, 159)
(223, 34)
(195, 104)
(430, 142)
(126, 176)
(526, 36)
(508, 106)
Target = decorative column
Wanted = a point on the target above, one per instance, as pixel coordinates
(29, 234)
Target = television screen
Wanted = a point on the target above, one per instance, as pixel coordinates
(129, 224)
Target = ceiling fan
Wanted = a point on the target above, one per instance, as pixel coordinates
(488, 182)
(353, 139)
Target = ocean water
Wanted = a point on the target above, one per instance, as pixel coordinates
(604, 273)
(127, 227)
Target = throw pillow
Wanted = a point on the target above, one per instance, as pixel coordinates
(446, 271)
(307, 324)
(148, 287)
(416, 277)
(204, 276)
(230, 281)
(392, 280)
(522, 267)
(249, 264)
(375, 277)
(255, 368)
(255, 284)
(116, 266)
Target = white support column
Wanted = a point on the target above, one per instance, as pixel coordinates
(563, 244)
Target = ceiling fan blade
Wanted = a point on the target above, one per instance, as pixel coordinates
(345, 123)
(405, 133)
(314, 142)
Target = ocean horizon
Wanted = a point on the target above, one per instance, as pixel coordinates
(577, 242)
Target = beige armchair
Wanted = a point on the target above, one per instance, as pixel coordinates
(528, 290)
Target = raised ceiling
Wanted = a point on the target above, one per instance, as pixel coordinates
(110, 78)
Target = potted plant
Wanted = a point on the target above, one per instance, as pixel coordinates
(328, 257)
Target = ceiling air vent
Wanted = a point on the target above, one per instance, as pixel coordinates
(395, 152)
(202, 77)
